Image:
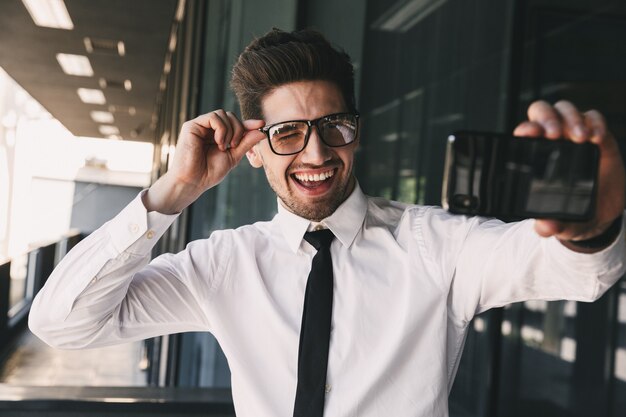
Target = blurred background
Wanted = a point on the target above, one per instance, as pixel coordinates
(93, 93)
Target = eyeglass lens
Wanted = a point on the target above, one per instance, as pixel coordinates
(290, 137)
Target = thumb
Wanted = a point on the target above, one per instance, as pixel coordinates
(251, 124)
(249, 139)
(547, 228)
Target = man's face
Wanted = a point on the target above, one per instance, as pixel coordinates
(287, 175)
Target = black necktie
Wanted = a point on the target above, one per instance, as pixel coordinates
(315, 330)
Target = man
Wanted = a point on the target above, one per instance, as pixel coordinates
(407, 279)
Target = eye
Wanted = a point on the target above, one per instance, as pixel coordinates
(286, 132)
(287, 136)
(341, 125)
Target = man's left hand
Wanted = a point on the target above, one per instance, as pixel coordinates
(564, 120)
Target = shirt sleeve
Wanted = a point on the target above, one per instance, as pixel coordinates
(486, 263)
(105, 290)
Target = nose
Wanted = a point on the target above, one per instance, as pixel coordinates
(315, 152)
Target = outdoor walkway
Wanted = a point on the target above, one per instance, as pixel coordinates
(33, 363)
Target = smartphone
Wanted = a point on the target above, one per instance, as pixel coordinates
(514, 178)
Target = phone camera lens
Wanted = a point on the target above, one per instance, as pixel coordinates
(465, 202)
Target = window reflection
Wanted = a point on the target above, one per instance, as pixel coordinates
(479, 324)
(620, 364)
(549, 328)
(547, 355)
(619, 369)
(19, 271)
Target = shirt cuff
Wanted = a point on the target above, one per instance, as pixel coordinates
(608, 260)
(135, 230)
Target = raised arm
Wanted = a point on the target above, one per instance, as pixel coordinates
(105, 290)
(208, 147)
(486, 263)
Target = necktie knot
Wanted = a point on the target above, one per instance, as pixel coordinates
(319, 238)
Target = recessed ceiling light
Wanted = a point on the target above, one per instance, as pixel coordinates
(75, 65)
(167, 66)
(104, 46)
(49, 13)
(173, 39)
(108, 130)
(108, 83)
(180, 11)
(123, 109)
(91, 96)
(102, 116)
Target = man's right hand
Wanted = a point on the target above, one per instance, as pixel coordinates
(208, 147)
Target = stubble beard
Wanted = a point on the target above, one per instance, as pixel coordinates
(314, 212)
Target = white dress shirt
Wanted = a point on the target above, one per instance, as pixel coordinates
(408, 280)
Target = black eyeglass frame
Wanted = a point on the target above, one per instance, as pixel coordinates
(310, 124)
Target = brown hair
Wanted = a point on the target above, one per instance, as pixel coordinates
(281, 57)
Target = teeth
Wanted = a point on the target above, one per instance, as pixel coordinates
(315, 177)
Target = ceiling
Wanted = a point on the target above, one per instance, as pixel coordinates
(28, 55)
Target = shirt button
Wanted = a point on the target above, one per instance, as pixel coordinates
(134, 228)
(150, 234)
(327, 388)
(93, 281)
(318, 228)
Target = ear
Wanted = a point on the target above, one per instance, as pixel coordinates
(254, 156)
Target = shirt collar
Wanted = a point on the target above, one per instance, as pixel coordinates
(345, 222)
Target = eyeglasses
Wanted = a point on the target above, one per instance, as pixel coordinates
(291, 137)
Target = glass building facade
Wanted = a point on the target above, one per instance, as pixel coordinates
(424, 68)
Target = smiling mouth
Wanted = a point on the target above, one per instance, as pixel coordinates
(316, 180)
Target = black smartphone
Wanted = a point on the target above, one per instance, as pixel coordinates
(514, 178)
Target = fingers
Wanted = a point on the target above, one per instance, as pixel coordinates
(545, 116)
(223, 136)
(547, 228)
(600, 135)
(562, 120)
(236, 129)
(565, 120)
(597, 126)
(574, 126)
(249, 139)
(222, 128)
(253, 124)
(529, 129)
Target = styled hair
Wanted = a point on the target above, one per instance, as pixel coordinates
(279, 58)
